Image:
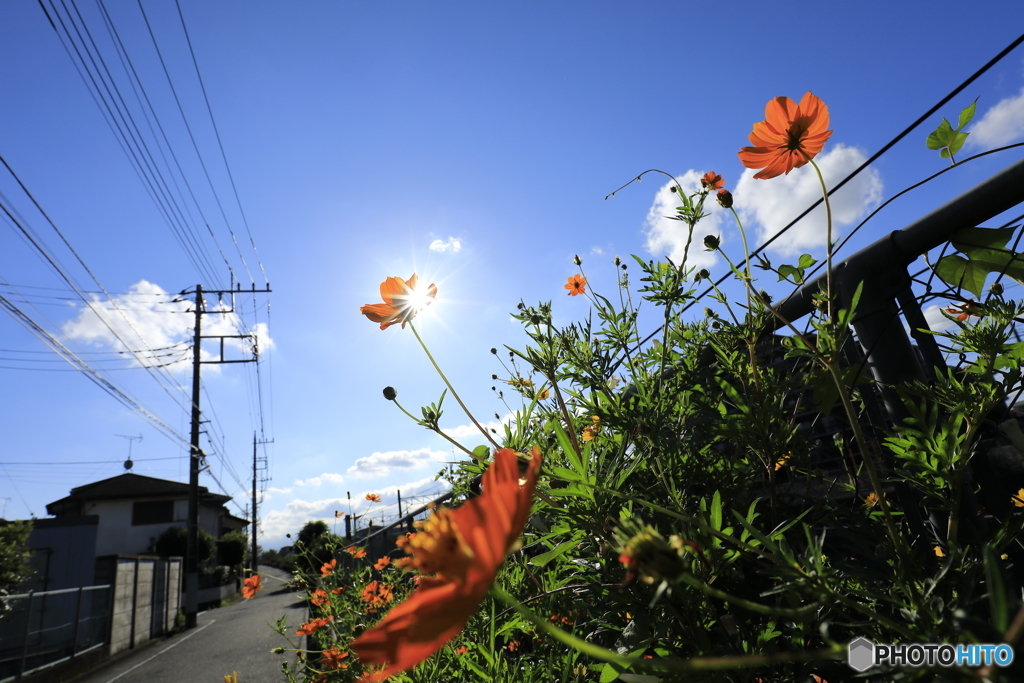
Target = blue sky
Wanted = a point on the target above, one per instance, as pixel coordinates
(473, 143)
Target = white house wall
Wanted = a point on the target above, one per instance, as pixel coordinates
(116, 535)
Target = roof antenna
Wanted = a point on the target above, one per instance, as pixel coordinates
(128, 463)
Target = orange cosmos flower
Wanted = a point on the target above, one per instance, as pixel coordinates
(790, 136)
(401, 302)
(576, 285)
(331, 659)
(965, 310)
(464, 547)
(382, 562)
(358, 553)
(252, 586)
(313, 625)
(328, 568)
(319, 597)
(373, 497)
(377, 594)
(712, 181)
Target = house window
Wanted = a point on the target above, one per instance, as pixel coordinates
(152, 512)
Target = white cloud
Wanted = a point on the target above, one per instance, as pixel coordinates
(454, 244)
(666, 236)
(147, 317)
(936, 321)
(380, 464)
(771, 204)
(470, 430)
(273, 490)
(328, 477)
(1002, 124)
(293, 516)
(596, 251)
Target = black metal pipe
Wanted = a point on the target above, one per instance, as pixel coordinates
(982, 202)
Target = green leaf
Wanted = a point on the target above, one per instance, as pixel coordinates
(559, 550)
(997, 597)
(806, 261)
(967, 114)
(956, 271)
(966, 240)
(957, 143)
(786, 271)
(469, 663)
(610, 673)
(941, 136)
(716, 511)
(482, 452)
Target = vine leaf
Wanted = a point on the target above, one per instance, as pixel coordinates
(948, 139)
(986, 253)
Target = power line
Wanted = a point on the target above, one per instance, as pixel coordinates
(132, 144)
(227, 166)
(89, 372)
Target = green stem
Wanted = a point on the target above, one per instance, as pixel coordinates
(828, 243)
(451, 388)
(437, 431)
(663, 664)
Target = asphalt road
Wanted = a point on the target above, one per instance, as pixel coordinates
(235, 638)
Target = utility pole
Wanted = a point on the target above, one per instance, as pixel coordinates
(192, 546)
(254, 560)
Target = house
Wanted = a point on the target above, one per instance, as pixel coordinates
(133, 510)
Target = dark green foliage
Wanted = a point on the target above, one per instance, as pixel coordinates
(14, 558)
(174, 542)
(233, 549)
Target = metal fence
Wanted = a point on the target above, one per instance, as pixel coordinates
(45, 628)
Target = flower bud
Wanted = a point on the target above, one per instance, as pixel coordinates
(649, 555)
(996, 289)
(702, 274)
(390, 393)
(711, 242)
(494, 350)
(725, 198)
(535, 320)
(577, 260)
(617, 260)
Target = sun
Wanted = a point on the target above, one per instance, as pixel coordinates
(419, 298)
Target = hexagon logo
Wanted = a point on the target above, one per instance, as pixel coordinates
(861, 654)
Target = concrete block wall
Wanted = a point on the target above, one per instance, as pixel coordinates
(147, 597)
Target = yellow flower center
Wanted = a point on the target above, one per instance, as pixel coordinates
(438, 547)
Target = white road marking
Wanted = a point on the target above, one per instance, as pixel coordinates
(174, 644)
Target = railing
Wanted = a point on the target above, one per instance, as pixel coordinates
(46, 628)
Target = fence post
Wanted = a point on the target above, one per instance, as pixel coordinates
(135, 598)
(78, 622)
(28, 625)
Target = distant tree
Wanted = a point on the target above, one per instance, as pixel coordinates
(273, 558)
(14, 559)
(174, 541)
(312, 531)
(233, 549)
